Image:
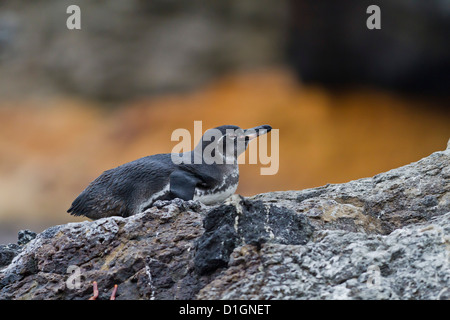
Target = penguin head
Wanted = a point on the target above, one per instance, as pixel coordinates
(227, 142)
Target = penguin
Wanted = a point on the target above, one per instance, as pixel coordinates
(209, 174)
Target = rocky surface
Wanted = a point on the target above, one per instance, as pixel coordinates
(148, 255)
(410, 263)
(385, 237)
(381, 204)
(242, 221)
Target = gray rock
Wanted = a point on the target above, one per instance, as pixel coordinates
(25, 236)
(410, 263)
(7, 253)
(385, 237)
(148, 255)
(390, 200)
(241, 221)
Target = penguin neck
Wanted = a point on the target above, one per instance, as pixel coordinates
(198, 156)
(226, 184)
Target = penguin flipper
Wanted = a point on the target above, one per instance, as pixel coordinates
(183, 184)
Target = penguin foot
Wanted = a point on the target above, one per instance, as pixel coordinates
(95, 293)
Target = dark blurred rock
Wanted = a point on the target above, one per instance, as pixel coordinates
(330, 44)
(7, 253)
(385, 237)
(135, 47)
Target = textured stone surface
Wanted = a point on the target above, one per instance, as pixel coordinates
(148, 255)
(385, 237)
(7, 253)
(241, 221)
(410, 263)
(381, 204)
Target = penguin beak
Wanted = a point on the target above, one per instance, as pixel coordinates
(252, 133)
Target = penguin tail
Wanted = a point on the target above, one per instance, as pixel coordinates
(77, 208)
(93, 207)
(84, 205)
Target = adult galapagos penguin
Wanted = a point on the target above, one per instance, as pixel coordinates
(209, 173)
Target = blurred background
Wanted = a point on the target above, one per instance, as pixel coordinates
(349, 102)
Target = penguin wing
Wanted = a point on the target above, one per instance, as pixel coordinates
(183, 184)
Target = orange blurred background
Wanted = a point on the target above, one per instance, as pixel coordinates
(53, 145)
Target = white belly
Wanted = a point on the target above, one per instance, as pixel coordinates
(213, 198)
